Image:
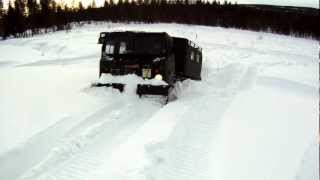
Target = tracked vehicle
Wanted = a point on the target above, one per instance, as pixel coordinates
(149, 55)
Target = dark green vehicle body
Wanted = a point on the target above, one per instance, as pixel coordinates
(148, 54)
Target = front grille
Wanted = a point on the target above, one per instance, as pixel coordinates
(129, 71)
(115, 71)
(131, 68)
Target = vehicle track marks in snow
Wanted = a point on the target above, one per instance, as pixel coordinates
(176, 158)
(73, 140)
(24, 153)
(83, 149)
(179, 159)
(289, 86)
(62, 61)
(74, 168)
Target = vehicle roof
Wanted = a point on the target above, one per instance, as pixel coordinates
(135, 33)
(189, 42)
(126, 34)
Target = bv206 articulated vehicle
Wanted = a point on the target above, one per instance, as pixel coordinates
(149, 55)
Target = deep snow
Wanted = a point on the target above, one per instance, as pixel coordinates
(253, 116)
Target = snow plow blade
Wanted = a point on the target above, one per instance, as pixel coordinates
(148, 89)
(118, 86)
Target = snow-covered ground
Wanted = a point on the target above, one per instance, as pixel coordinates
(254, 115)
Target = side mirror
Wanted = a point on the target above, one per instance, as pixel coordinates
(102, 38)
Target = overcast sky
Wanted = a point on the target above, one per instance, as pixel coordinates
(303, 3)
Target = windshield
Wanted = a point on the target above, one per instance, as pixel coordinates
(149, 45)
(139, 45)
(109, 48)
(117, 47)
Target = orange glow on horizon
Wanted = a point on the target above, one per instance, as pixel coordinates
(70, 3)
(85, 3)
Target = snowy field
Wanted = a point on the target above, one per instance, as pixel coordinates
(254, 115)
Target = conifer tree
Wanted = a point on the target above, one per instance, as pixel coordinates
(1, 19)
(9, 28)
(105, 4)
(111, 2)
(19, 17)
(1, 9)
(93, 4)
(81, 8)
(32, 6)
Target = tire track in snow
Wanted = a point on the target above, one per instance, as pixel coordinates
(74, 168)
(62, 61)
(288, 85)
(186, 153)
(19, 160)
(24, 154)
(81, 154)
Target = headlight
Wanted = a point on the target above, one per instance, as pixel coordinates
(158, 77)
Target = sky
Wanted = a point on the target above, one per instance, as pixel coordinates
(303, 3)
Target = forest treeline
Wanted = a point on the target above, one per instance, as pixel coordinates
(29, 17)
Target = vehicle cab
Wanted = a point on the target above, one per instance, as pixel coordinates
(145, 54)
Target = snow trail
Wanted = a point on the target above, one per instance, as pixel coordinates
(178, 159)
(85, 145)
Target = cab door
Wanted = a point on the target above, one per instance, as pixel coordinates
(193, 63)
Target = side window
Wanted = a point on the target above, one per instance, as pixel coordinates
(122, 48)
(109, 48)
(198, 58)
(192, 55)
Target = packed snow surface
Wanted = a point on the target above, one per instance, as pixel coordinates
(254, 115)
